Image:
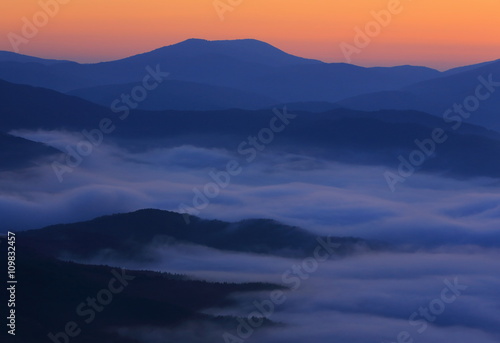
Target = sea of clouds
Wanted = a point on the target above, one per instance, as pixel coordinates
(451, 225)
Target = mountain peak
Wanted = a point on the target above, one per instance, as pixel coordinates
(226, 42)
(248, 50)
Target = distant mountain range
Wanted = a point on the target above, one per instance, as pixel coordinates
(213, 89)
(436, 96)
(356, 137)
(250, 74)
(180, 95)
(243, 66)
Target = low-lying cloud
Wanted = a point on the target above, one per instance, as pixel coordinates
(360, 298)
(453, 226)
(325, 197)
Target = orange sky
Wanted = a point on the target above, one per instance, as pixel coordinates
(436, 33)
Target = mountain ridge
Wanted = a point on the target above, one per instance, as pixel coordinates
(131, 234)
(245, 65)
(256, 42)
(436, 96)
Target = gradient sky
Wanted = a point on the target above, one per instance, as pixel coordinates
(439, 34)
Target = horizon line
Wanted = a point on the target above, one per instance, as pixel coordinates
(242, 39)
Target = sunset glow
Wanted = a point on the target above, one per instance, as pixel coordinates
(425, 32)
